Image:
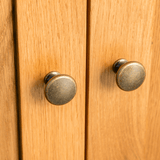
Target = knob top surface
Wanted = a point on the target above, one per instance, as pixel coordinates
(60, 89)
(130, 75)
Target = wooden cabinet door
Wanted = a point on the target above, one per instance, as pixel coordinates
(51, 37)
(123, 125)
(8, 104)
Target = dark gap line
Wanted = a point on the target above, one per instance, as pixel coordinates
(17, 77)
(87, 75)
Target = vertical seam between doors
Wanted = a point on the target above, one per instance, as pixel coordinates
(87, 75)
(17, 76)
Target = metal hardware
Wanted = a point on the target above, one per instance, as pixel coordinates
(60, 88)
(129, 75)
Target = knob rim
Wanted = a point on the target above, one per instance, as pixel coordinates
(130, 76)
(60, 89)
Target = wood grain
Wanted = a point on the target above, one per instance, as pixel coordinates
(123, 125)
(8, 108)
(152, 140)
(51, 37)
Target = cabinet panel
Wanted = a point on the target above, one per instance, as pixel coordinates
(51, 37)
(8, 108)
(123, 125)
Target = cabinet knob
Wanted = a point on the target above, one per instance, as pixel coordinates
(129, 75)
(60, 88)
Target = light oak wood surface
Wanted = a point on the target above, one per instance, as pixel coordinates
(51, 37)
(123, 125)
(8, 108)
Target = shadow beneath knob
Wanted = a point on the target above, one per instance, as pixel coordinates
(108, 78)
(37, 91)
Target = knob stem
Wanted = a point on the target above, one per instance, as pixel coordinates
(118, 63)
(50, 75)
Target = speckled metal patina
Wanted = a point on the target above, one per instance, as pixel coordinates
(129, 75)
(60, 88)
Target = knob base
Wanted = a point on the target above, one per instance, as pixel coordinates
(118, 63)
(50, 75)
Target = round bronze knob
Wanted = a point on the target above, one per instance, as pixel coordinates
(60, 88)
(129, 75)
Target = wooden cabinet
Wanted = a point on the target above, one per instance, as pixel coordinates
(81, 38)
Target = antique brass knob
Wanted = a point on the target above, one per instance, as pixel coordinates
(60, 88)
(129, 75)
